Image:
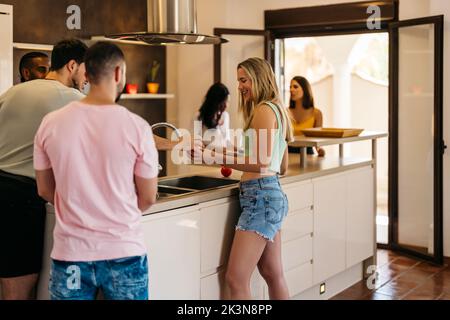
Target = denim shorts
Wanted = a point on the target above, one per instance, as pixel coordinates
(118, 279)
(264, 206)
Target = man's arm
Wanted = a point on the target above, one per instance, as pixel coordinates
(264, 120)
(163, 144)
(46, 184)
(146, 190)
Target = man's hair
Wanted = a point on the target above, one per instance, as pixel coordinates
(25, 61)
(67, 50)
(101, 59)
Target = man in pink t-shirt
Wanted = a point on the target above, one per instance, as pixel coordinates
(98, 164)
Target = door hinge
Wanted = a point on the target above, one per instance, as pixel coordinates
(444, 147)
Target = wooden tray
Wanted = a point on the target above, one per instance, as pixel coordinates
(332, 132)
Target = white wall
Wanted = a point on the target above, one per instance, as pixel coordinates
(195, 64)
(323, 98)
(6, 47)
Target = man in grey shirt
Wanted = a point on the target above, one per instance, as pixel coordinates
(23, 213)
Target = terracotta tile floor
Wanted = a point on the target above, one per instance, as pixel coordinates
(402, 278)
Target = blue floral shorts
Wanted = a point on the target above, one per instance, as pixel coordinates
(264, 206)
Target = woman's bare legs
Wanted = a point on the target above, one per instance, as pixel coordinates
(271, 269)
(245, 253)
(248, 251)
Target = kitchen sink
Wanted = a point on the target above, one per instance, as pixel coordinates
(197, 183)
(167, 192)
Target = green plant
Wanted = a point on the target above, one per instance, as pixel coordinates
(154, 71)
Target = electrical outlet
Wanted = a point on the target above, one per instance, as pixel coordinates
(323, 288)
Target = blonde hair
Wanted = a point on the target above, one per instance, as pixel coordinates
(264, 89)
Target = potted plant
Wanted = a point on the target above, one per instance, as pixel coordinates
(153, 86)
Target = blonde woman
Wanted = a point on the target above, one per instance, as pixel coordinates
(257, 241)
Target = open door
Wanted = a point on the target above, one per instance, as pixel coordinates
(243, 44)
(416, 141)
(265, 37)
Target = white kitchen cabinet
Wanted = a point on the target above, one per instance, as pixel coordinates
(344, 221)
(297, 224)
(360, 215)
(44, 277)
(217, 224)
(297, 252)
(299, 278)
(329, 229)
(173, 242)
(329, 240)
(299, 194)
(213, 286)
(6, 47)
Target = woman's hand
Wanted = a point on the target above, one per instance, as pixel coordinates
(196, 150)
(321, 152)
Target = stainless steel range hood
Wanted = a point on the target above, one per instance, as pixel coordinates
(170, 22)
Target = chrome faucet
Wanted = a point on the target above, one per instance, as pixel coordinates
(166, 125)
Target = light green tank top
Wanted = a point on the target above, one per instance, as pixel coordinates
(279, 145)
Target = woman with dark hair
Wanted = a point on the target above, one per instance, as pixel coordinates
(303, 112)
(214, 117)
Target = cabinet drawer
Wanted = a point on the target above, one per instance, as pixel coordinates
(299, 279)
(296, 252)
(217, 230)
(213, 286)
(300, 195)
(297, 224)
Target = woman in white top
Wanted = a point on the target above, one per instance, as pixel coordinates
(212, 122)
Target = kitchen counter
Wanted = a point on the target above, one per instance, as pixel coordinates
(301, 167)
(303, 142)
(317, 167)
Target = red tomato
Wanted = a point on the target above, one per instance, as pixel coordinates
(226, 172)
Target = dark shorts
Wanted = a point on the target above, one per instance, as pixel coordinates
(22, 226)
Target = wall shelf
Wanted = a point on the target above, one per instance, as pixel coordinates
(144, 96)
(32, 46)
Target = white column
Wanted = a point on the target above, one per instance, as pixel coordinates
(342, 96)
